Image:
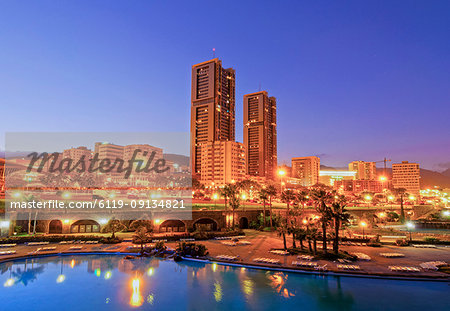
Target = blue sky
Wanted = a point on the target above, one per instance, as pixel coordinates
(354, 80)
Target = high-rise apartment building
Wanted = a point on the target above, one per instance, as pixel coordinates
(212, 107)
(364, 170)
(76, 154)
(306, 169)
(406, 175)
(222, 162)
(260, 134)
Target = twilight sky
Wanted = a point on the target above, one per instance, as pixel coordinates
(354, 80)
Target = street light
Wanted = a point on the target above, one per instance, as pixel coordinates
(363, 225)
(281, 173)
(410, 226)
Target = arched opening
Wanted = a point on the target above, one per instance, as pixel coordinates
(205, 224)
(55, 226)
(172, 225)
(243, 223)
(85, 226)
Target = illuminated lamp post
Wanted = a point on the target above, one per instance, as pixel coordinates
(410, 225)
(363, 225)
(281, 173)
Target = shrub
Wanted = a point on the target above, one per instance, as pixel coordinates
(401, 242)
(192, 249)
(431, 240)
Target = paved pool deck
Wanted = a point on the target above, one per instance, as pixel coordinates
(262, 243)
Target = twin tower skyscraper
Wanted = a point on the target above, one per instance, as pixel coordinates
(213, 104)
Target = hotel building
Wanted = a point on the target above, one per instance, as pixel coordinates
(306, 169)
(109, 151)
(364, 170)
(406, 175)
(222, 162)
(260, 134)
(212, 107)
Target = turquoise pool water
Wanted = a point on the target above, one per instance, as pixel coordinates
(109, 282)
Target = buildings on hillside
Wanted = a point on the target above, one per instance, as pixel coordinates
(260, 134)
(364, 170)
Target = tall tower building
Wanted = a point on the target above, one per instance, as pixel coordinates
(260, 134)
(306, 169)
(212, 107)
(364, 170)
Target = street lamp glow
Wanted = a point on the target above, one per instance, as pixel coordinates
(103, 221)
(17, 194)
(390, 198)
(157, 221)
(410, 225)
(215, 196)
(368, 197)
(66, 195)
(383, 178)
(363, 224)
(412, 197)
(4, 224)
(305, 221)
(244, 196)
(281, 172)
(60, 278)
(9, 283)
(108, 275)
(66, 221)
(446, 213)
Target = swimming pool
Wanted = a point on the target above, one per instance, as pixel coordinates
(109, 282)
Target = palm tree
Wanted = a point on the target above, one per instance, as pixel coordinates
(340, 216)
(401, 192)
(287, 196)
(303, 197)
(271, 192)
(321, 198)
(141, 236)
(226, 192)
(312, 234)
(282, 230)
(235, 200)
(263, 196)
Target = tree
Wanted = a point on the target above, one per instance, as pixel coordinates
(146, 223)
(312, 234)
(227, 192)
(282, 230)
(271, 192)
(235, 200)
(31, 198)
(303, 197)
(141, 236)
(287, 196)
(113, 226)
(321, 198)
(340, 216)
(401, 192)
(262, 194)
(248, 186)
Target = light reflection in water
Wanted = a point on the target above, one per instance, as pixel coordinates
(247, 287)
(218, 291)
(136, 299)
(278, 283)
